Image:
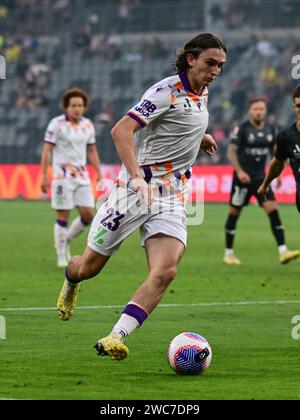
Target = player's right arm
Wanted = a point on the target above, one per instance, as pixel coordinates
(154, 103)
(45, 162)
(122, 134)
(50, 141)
(236, 141)
(234, 160)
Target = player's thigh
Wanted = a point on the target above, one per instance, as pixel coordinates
(118, 218)
(164, 237)
(86, 214)
(163, 252)
(62, 194)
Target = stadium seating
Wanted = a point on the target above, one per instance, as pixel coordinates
(115, 68)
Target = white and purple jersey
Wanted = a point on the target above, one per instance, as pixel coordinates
(69, 156)
(174, 119)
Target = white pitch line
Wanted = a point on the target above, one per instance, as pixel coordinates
(165, 305)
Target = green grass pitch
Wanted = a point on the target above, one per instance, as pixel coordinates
(254, 354)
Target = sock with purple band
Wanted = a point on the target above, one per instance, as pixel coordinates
(136, 312)
(62, 223)
(73, 282)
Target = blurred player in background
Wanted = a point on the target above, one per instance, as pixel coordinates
(169, 125)
(288, 147)
(70, 139)
(251, 145)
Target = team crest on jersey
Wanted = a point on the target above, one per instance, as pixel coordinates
(187, 107)
(251, 138)
(270, 137)
(296, 151)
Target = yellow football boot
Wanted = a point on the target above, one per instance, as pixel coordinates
(288, 256)
(231, 260)
(112, 346)
(67, 301)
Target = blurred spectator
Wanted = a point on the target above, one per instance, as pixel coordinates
(238, 98)
(13, 51)
(114, 44)
(82, 40)
(265, 48)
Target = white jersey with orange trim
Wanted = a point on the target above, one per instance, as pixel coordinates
(174, 119)
(69, 155)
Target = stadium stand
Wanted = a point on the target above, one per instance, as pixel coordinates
(117, 50)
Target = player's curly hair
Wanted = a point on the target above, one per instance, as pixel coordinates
(74, 92)
(195, 46)
(296, 92)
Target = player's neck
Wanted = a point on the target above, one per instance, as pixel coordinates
(73, 121)
(257, 124)
(194, 86)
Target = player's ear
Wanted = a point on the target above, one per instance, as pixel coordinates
(190, 59)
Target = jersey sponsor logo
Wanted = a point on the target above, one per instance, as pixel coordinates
(270, 137)
(145, 108)
(255, 151)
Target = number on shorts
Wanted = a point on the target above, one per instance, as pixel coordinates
(239, 196)
(59, 190)
(115, 223)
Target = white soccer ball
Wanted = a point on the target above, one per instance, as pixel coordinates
(189, 354)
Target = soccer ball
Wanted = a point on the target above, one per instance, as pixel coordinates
(189, 354)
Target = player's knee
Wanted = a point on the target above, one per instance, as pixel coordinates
(87, 218)
(164, 276)
(234, 211)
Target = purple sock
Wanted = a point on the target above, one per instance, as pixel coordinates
(62, 223)
(136, 312)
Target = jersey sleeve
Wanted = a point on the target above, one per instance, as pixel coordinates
(154, 103)
(236, 136)
(51, 131)
(281, 149)
(92, 138)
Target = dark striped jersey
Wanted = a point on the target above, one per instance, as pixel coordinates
(255, 145)
(288, 147)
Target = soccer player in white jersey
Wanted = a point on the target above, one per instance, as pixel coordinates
(70, 139)
(158, 141)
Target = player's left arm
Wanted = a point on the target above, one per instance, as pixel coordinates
(273, 153)
(275, 169)
(94, 159)
(208, 144)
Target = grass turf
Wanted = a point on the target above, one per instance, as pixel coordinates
(254, 355)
